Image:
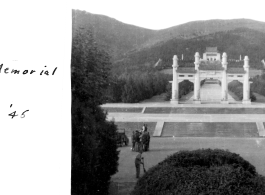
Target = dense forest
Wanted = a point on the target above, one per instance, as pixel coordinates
(137, 86)
(112, 35)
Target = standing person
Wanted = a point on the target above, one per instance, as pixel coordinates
(138, 162)
(133, 141)
(145, 140)
(141, 141)
(137, 141)
(143, 128)
(148, 140)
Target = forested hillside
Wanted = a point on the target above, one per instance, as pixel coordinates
(199, 28)
(237, 42)
(112, 35)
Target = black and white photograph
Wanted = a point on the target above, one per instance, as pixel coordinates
(132, 97)
(168, 97)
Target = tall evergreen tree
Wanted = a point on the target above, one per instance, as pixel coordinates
(94, 149)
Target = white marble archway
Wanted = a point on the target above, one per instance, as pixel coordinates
(198, 75)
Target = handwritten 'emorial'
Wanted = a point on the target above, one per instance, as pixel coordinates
(6, 70)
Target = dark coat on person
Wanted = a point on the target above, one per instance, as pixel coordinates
(133, 137)
(145, 138)
(137, 136)
(138, 161)
(133, 141)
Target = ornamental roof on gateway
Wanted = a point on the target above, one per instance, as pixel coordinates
(186, 70)
(211, 49)
(211, 65)
(235, 70)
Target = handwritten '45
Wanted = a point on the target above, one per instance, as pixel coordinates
(13, 114)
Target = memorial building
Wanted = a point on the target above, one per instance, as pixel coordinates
(211, 54)
(210, 67)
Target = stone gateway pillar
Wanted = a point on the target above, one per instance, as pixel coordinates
(197, 82)
(175, 84)
(246, 88)
(224, 80)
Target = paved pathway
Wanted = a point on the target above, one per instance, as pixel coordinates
(251, 149)
(211, 91)
(135, 117)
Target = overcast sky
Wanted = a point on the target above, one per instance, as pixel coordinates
(162, 14)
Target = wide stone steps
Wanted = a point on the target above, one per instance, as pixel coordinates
(197, 129)
(207, 129)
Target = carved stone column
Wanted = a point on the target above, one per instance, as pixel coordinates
(246, 88)
(175, 84)
(197, 82)
(224, 80)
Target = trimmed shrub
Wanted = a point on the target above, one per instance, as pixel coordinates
(203, 171)
(258, 84)
(202, 82)
(237, 88)
(184, 88)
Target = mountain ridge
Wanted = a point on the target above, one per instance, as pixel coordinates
(203, 27)
(125, 42)
(114, 36)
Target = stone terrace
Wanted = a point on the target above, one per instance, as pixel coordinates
(186, 126)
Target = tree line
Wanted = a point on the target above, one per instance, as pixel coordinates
(137, 86)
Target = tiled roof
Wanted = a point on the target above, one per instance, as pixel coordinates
(186, 70)
(235, 70)
(206, 62)
(211, 49)
(210, 65)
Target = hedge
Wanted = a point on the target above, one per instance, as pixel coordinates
(237, 88)
(258, 85)
(203, 171)
(185, 87)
